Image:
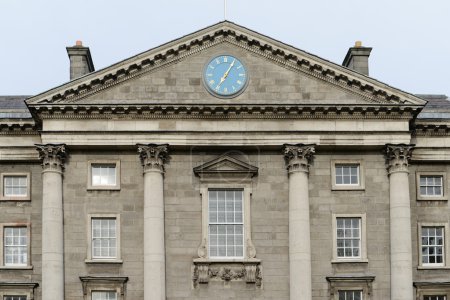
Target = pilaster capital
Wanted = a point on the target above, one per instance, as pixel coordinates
(153, 156)
(298, 157)
(398, 156)
(52, 156)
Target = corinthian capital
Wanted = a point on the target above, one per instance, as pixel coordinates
(52, 156)
(298, 157)
(153, 156)
(398, 157)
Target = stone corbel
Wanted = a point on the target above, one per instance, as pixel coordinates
(398, 157)
(298, 157)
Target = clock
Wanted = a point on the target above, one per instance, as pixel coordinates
(225, 76)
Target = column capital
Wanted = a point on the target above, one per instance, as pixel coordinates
(298, 157)
(153, 156)
(53, 156)
(398, 156)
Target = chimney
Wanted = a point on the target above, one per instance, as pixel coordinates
(357, 58)
(80, 60)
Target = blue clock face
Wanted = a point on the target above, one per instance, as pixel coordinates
(225, 76)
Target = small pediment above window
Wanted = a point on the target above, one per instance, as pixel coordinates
(226, 167)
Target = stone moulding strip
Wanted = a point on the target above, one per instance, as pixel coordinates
(18, 129)
(286, 58)
(224, 112)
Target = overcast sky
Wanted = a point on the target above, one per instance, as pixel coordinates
(410, 38)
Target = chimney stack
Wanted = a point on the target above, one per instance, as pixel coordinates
(357, 58)
(80, 60)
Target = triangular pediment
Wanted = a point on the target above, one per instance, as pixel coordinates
(299, 78)
(224, 166)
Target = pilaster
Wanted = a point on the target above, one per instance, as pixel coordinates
(153, 158)
(298, 158)
(400, 221)
(53, 158)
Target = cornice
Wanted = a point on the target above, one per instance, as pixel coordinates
(18, 129)
(238, 111)
(431, 129)
(284, 55)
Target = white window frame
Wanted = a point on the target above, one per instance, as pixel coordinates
(104, 291)
(91, 163)
(246, 193)
(434, 295)
(243, 226)
(12, 294)
(348, 162)
(2, 246)
(363, 241)
(26, 197)
(444, 195)
(446, 252)
(90, 258)
(350, 290)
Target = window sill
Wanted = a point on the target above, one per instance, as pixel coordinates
(226, 261)
(422, 198)
(433, 267)
(16, 267)
(347, 188)
(15, 199)
(351, 261)
(104, 188)
(103, 261)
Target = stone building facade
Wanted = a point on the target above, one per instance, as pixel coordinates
(148, 180)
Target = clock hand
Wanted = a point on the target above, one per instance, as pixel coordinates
(226, 73)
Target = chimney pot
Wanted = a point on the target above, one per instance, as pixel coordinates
(80, 60)
(357, 58)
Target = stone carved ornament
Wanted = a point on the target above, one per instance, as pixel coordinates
(153, 156)
(248, 272)
(398, 157)
(298, 157)
(52, 156)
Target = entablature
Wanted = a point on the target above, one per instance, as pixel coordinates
(225, 111)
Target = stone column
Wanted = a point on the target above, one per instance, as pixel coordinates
(400, 221)
(298, 159)
(52, 157)
(153, 158)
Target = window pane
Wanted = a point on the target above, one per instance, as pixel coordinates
(104, 238)
(109, 295)
(15, 246)
(15, 298)
(431, 185)
(347, 174)
(225, 232)
(15, 186)
(348, 240)
(103, 175)
(350, 295)
(432, 245)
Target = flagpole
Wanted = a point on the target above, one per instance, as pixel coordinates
(224, 9)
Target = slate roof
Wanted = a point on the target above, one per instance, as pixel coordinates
(14, 107)
(438, 107)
